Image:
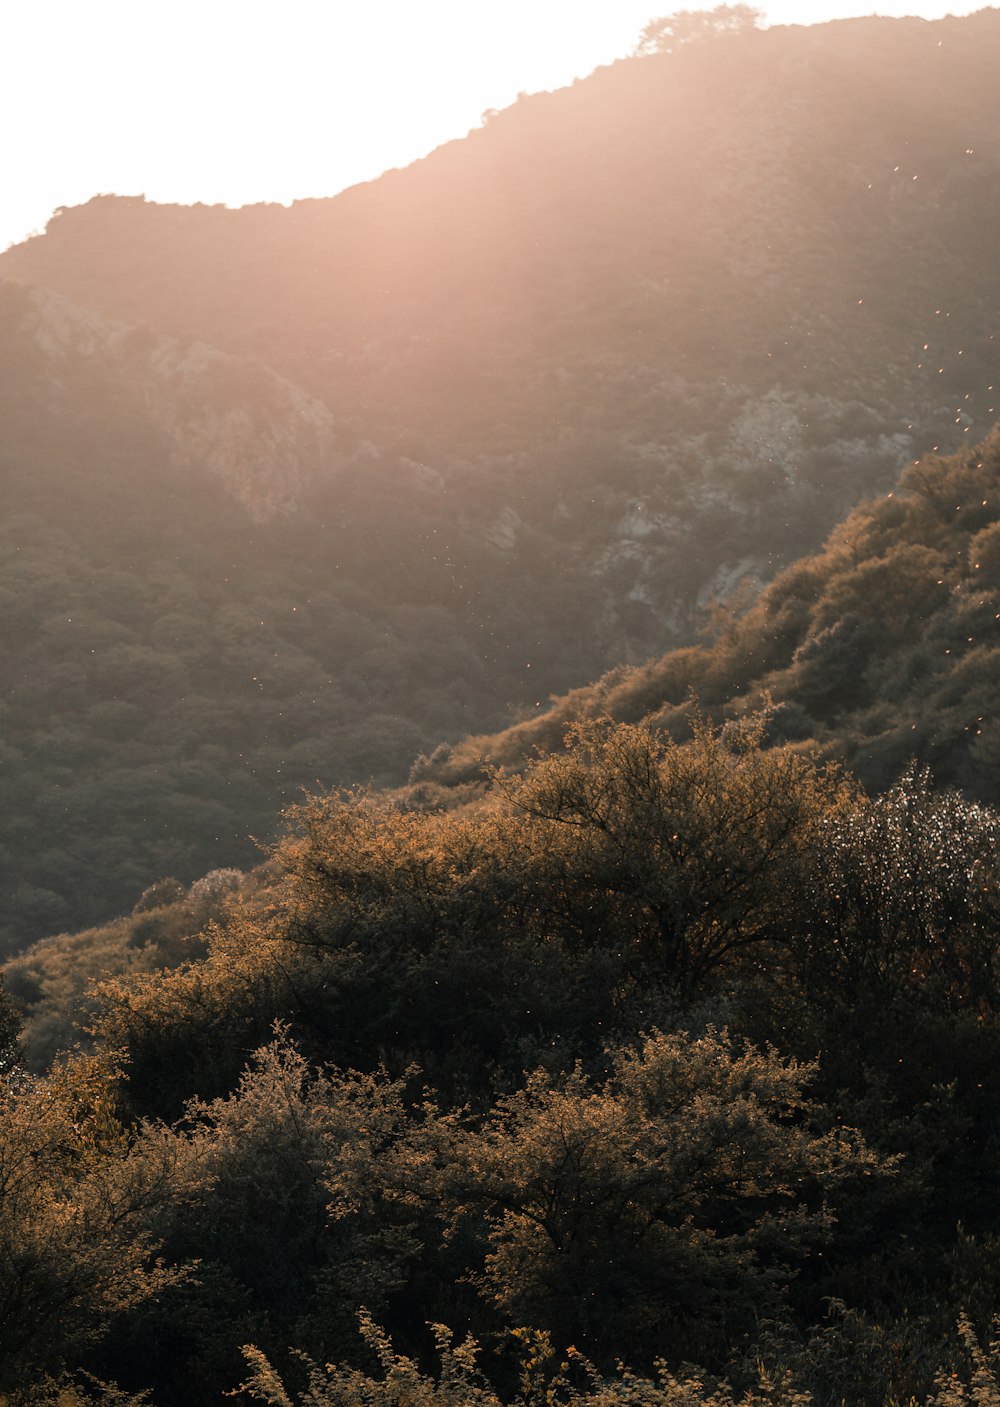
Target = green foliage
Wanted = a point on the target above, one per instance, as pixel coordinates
(547, 1380)
(10, 1029)
(573, 420)
(622, 875)
(458, 1383)
(977, 1382)
(157, 723)
(73, 1390)
(315, 1185)
(585, 1155)
(52, 982)
(655, 1036)
(906, 899)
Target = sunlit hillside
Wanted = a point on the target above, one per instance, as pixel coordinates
(673, 1055)
(880, 650)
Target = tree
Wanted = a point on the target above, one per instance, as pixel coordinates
(677, 856)
(669, 1202)
(10, 1029)
(904, 900)
(78, 1204)
(560, 913)
(670, 32)
(317, 1181)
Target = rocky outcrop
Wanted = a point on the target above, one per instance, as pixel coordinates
(261, 436)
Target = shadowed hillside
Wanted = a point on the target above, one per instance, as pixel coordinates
(175, 668)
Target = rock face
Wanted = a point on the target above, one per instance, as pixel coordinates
(261, 436)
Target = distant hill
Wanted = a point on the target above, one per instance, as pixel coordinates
(292, 496)
(879, 650)
(691, 291)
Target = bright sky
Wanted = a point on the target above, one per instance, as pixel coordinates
(236, 101)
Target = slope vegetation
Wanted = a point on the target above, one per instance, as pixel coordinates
(881, 648)
(665, 1054)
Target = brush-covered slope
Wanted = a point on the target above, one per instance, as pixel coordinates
(676, 1052)
(881, 648)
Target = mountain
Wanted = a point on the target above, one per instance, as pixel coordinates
(294, 495)
(732, 285)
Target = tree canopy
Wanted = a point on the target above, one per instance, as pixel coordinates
(663, 1051)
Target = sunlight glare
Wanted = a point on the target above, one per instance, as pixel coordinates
(238, 101)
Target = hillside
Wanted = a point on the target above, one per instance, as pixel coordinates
(295, 495)
(179, 658)
(576, 1044)
(882, 648)
(730, 287)
(775, 212)
(674, 1055)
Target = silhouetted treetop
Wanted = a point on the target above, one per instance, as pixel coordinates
(669, 32)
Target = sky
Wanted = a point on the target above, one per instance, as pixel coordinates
(237, 101)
